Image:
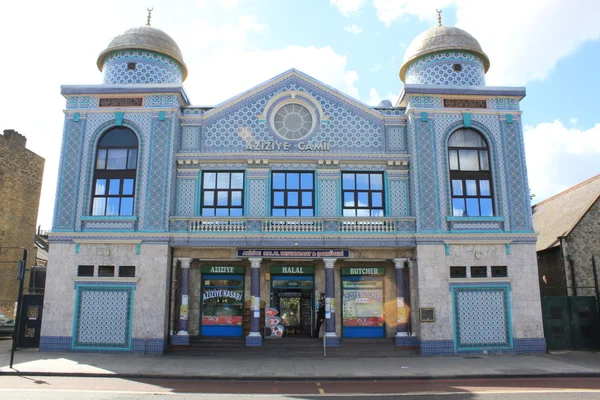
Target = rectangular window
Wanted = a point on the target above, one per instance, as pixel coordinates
(126, 271)
(106, 271)
(478, 272)
(85, 270)
(499, 271)
(362, 194)
(113, 196)
(471, 197)
(458, 272)
(292, 194)
(222, 194)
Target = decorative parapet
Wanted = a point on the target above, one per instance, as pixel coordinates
(102, 223)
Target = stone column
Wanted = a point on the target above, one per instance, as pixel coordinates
(254, 338)
(402, 309)
(184, 290)
(330, 336)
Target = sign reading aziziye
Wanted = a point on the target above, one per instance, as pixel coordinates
(222, 270)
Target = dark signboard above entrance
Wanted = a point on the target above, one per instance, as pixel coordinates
(363, 271)
(294, 253)
(292, 270)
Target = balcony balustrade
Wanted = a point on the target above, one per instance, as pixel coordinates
(296, 224)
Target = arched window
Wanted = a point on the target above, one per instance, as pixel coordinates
(115, 173)
(470, 176)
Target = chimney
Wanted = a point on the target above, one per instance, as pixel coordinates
(15, 137)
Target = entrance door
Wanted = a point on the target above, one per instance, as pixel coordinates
(30, 321)
(293, 297)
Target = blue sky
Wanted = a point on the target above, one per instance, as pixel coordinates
(552, 47)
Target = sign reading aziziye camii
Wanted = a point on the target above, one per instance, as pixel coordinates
(271, 145)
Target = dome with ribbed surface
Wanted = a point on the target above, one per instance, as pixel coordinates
(145, 38)
(441, 39)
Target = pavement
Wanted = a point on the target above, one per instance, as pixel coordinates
(31, 362)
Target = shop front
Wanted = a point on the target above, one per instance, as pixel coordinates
(292, 293)
(221, 301)
(362, 302)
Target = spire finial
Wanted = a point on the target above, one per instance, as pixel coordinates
(149, 15)
(439, 13)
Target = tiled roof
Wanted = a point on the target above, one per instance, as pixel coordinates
(557, 215)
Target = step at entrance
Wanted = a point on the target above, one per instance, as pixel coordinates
(289, 347)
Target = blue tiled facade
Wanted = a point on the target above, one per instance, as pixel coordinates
(179, 145)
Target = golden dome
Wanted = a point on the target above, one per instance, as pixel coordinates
(145, 38)
(442, 38)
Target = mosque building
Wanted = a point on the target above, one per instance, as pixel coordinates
(174, 221)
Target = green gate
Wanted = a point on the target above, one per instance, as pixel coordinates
(571, 323)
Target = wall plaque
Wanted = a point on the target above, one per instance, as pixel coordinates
(463, 103)
(426, 314)
(122, 102)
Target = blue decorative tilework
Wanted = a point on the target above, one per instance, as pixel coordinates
(82, 102)
(509, 104)
(103, 317)
(437, 347)
(149, 346)
(437, 69)
(64, 217)
(349, 129)
(332, 341)
(479, 226)
(150, 68)
(108, 225)
(180, 340)
(399, 203)
(395, 137)
(190, 138)
(530, 346)
(257, 206)
(254, 340)
(516, 177)
(426, 174)
(187, 197)
(156, 100)
(424, 102)
(157, 194)
(55, 343)
(328, 198)
(407, 341)
(481, 317)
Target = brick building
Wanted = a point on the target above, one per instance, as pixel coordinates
(568, 227)
(21, 172)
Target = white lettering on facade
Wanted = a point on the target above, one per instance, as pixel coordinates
(292, 270)
(364, 271)
(226, 270)
(265, 145)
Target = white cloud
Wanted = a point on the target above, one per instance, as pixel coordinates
(353, 29)
(559, 157)
(523, 39)
(374, 98)
(348, 7)
(240, 70)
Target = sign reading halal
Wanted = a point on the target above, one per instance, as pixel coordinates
(294, 253)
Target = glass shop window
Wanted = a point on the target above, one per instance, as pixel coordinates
(222, 300)
(362, 302)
